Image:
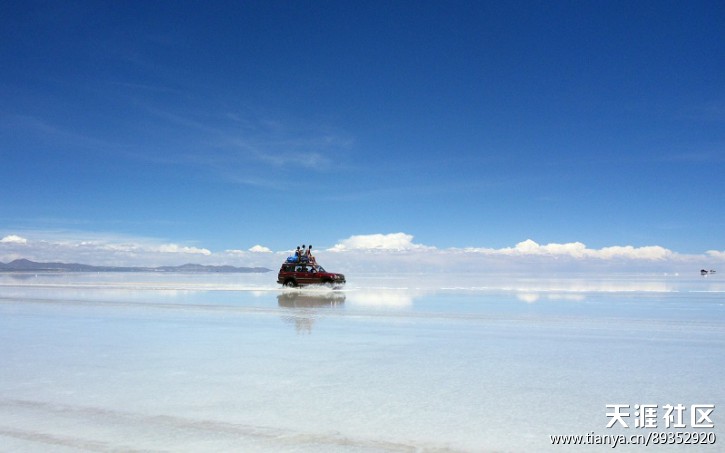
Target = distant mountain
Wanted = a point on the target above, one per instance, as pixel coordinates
(23, 265)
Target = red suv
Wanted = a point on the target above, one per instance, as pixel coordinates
(301, 274)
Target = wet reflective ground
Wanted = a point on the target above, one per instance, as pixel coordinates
(96, 362)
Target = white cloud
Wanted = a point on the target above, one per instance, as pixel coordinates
(717, 254)
(174, 248)
(371, 253)
(529, 247)
(99, 249)
(653, 252)
(13, 239)
(392, 241)
(578, 250)
(398, 252)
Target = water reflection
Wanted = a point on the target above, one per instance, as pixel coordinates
(533, 284)
(530, 298)
(22, 276)
(306, 306)
(386, 298)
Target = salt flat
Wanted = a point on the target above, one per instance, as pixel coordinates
(143, 362)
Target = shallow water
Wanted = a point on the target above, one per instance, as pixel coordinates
(149, 362)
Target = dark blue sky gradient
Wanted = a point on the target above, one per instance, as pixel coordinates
(230, 124)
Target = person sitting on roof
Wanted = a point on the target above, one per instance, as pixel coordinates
(310, 258)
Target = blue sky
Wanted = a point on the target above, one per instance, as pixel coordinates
(219, 126)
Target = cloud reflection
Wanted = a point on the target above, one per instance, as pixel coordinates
(382, 298)
(530, 298)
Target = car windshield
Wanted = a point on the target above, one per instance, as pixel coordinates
(320, 269)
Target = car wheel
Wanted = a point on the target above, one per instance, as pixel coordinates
(290, 283)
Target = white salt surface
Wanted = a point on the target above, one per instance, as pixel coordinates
(147, 362)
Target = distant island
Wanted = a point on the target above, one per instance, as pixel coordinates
(23, 265)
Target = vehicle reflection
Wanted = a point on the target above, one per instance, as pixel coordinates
(306, 307)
